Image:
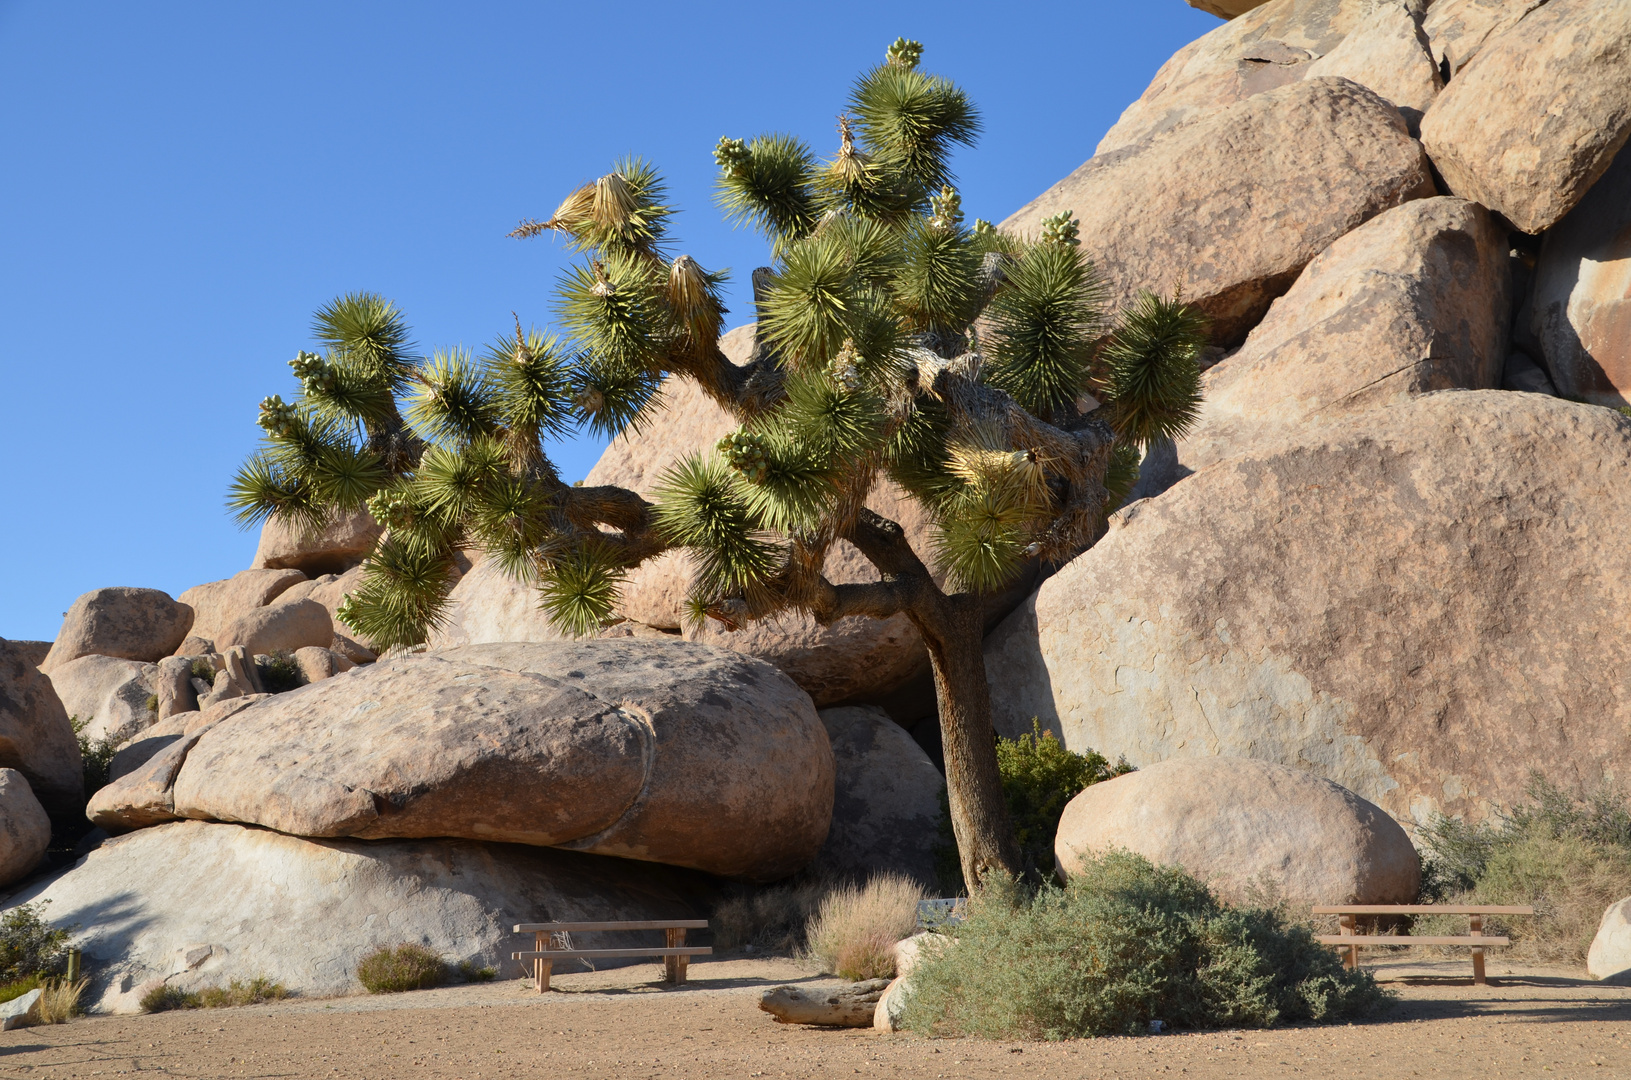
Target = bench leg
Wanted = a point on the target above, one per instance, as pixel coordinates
(541, 968)
(1350, 953)
(674, 966)
(1478, 952)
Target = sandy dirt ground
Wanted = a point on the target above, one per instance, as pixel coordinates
(1529, 1022)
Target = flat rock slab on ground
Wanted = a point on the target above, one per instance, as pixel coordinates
(606, 1025)
(223, 902)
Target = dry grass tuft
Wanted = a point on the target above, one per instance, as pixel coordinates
(854, 931)
(59, 1000)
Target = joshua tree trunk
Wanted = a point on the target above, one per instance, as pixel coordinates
(979, 813)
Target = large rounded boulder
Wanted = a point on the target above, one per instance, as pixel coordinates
(25, 830)
(1421, 603)
(131, 624)
(654, 750)
(887, 799)
(1245, 826)
(196, 905)
(35, 736)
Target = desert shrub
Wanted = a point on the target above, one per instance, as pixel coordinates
(473, 973)
(30, 946)
(13, 990)
(203, 670)
(1125, 943)
(1567, 856)
(237, 992)
(389, 970)
(853, 932)
(59, 1000)
(772, 918)
(96, 754)
(163, 998)
(279, 672)
(1039, 776)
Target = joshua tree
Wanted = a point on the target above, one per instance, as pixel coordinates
(972, 368)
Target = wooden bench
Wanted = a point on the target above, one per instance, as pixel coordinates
(676, 956)
(1348, 942)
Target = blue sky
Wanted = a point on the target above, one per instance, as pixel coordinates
(181, 185)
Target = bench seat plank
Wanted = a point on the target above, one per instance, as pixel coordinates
(1384, 939)
(645, 924)
(1421, 909)
(605, 954)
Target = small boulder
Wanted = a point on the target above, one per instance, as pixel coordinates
(217, 603)
(318, 664)
(279, 628)
(21, 1011)
(131, 624)
(1610, 956)
(1232, 205)
(173, 686)
(35, 736)
(236, 675)
(1226, 9)
(632, 748)
(25, 830)
(1388, 52)
(1580, 311)
(329, 590)
(1238, 824)
(333, 549)
(184, 894)
(1498, 134)
(109, 696)
(886, 801)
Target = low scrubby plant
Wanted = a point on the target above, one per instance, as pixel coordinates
(392, 970)
(238, 992)
(770, 918)
(15, 989)
(474, 973)
(164, 998)
(853, 932)
(1039, 776)
(1123, 944)
(30, 947)
(279, 672)
(1568, 856)
(95, 754)
(202, 670)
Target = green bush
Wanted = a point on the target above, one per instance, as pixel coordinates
(389, 970)
(163, 998)
(1125, 943)
(279, 672)
(96, 756)
(30, 946)
(237, 992)
(474, 973)
(1567, 856)
(203, 670)
(1039, 776)
(13, 990)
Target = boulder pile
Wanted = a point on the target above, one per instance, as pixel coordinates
(1375, 582)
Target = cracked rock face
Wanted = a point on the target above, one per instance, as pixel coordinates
(1415, 300)
(653, 750)
(1416, 602)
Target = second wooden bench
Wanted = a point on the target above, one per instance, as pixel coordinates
(1348, 942)
(675, 954)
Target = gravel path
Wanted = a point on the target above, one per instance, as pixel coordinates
(1530, 1023)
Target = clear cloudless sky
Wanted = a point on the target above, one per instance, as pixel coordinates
(183, 184)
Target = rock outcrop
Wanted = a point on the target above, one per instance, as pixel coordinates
(108, 695)
(1581, 305)
(1233, 204)
(215, 604)
(1457, 29)
(1530, 127)
(223, 902)
(131, 624)
(35, 737)
(659, 751)
(1403, 601)
(1243, 826)
(1414, 300)
(886, 801)
(281, 627)
(25, 830)
(1389, 53)
(333, 549)
(1225, 9)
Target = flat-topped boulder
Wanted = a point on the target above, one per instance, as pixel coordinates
(1409, 601)
(333, 548)
(1231, 205)
(654, 750)
(222, 902)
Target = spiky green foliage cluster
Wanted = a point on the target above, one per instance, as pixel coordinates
(893, 341)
